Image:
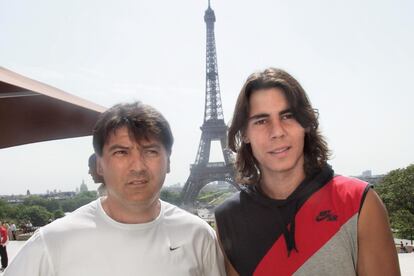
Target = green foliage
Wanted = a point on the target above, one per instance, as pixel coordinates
(397, 192)
(58, 214)
(38, 215)
(3, 206)
(171, 197)
(7, 212)
(39, 210)
(88, 194)
(50, 204)
(206, 197)
(71, 204)
(214, 197)
(34, 200)
(221, 198)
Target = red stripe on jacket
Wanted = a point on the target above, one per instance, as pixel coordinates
(342, 196)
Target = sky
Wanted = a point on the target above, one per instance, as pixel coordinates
(354, 59)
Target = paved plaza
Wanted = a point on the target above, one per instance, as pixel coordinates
(406, 259)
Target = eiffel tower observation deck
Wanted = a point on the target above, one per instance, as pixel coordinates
(203, 171)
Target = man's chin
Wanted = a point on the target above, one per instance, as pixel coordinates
(141, 200)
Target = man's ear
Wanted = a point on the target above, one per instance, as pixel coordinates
(168, 165)
(99, 169)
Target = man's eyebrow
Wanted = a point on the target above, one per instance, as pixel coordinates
(287, 110)
(258, 116)
(151, 145)
(266, 115)
(117, 147)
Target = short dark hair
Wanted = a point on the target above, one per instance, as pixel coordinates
(141, 120)
(315, 147)
(93, 170)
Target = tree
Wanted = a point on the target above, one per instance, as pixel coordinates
(397, 192)
(50, 204)
(3, 207)
(170, 196)
(71, 204)
(58, 214)
(37, 215)
(7, 211)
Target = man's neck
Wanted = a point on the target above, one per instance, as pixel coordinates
(281, 185)
(131, 213)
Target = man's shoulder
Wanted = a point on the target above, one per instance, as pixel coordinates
(349, 192)
(77, 219)
(177, 214)
(53, 236)
(177, 217)
(341, 179)
(348, 184)
(231, 204)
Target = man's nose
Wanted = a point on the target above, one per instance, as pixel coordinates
(138, 162)
(277, 129)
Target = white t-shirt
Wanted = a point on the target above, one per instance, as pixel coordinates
(88, 242)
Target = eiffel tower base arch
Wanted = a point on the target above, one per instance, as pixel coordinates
(200, 176)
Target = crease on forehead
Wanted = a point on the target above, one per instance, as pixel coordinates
(141, 136)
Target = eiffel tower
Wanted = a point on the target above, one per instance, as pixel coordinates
(202, 171)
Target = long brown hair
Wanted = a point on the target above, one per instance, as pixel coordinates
(316, 150)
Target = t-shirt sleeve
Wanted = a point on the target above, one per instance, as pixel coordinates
(32, 259)
(213, 261)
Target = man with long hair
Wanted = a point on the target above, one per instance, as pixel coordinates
(293, 215)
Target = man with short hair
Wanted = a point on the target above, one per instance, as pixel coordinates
(130, 231)
(3, 250)
(294, 216)
(95, 176)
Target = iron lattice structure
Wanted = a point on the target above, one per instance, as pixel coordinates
(202, 171)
